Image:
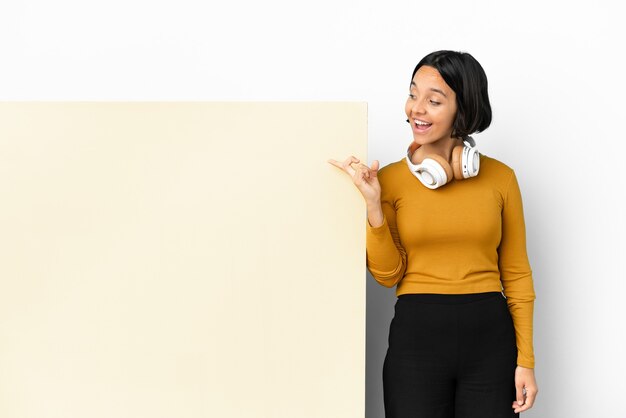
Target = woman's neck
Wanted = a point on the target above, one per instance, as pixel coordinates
(442, 147)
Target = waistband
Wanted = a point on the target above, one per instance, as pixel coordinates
(448, 299)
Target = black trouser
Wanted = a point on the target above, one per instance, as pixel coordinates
(450, 356)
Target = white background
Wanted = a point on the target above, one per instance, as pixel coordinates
(557, 87)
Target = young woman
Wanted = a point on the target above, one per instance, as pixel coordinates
(446, 226)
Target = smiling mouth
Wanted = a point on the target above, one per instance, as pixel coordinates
(420, 125)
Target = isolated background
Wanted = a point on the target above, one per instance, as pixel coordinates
(556, 84)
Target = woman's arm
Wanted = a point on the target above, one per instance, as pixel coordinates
(386, 258)
(515, 272)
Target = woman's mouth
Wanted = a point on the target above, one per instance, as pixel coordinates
(420, 125)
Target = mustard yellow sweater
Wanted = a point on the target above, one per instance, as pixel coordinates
(467, 236)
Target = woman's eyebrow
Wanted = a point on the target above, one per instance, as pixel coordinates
(432, 89)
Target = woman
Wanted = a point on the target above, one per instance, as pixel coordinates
(445, 225)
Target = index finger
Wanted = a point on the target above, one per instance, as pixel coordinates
(344, 165)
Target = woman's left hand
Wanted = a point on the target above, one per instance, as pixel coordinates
(524, 378)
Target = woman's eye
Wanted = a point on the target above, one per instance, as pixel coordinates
(435, 103)
(411, 96)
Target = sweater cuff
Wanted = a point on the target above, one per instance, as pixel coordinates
(529, 364)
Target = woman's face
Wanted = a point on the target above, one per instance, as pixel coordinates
(430, 107)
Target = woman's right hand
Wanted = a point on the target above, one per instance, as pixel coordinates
(363, 177)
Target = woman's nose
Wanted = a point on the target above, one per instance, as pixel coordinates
(418, 107)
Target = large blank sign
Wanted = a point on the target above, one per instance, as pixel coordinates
(181, 259)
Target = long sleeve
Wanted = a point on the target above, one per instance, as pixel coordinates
(515, 272)
(386, 258)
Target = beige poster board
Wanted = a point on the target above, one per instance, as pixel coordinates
(181, 259)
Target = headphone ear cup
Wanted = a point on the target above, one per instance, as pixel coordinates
(444, 164)
(457, 162)
(473, 162)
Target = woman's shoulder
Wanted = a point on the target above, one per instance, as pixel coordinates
(393, 168)
(392, 176)
(494, 166)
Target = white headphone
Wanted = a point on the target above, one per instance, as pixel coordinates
(434, 171)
